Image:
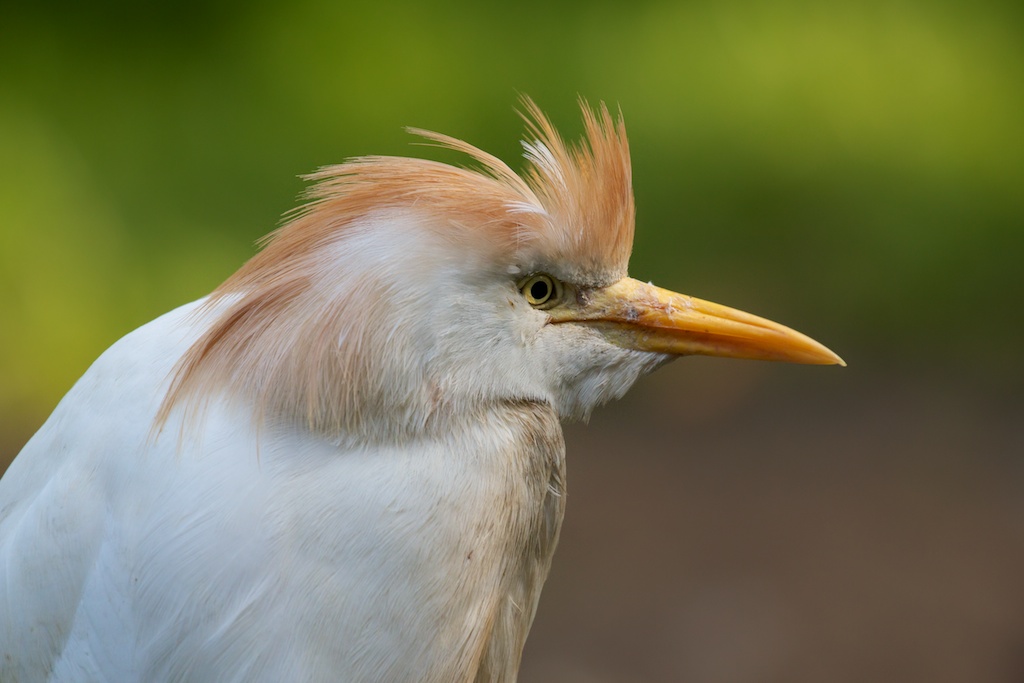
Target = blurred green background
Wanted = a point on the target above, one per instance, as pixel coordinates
(853, 169)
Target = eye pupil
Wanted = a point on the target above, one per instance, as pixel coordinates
(541, 291)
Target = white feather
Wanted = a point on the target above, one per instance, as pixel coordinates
(270, 552)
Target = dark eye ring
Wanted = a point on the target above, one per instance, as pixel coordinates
(541, 291)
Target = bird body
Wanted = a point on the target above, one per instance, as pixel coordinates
(228, 556)
(346, 463)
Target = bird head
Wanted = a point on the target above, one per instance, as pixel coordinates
(407, 293)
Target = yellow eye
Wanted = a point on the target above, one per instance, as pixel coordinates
(541, 291)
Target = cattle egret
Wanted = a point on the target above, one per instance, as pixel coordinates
(346, 463)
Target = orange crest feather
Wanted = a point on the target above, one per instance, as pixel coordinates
(274, 335)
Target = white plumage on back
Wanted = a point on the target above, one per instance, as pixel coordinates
(346, 463)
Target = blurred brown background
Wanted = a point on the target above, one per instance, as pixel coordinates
(852, 169)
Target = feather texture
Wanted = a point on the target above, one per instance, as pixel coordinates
(315, 562)
(307, 341)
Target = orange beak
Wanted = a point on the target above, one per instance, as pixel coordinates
(640, 316)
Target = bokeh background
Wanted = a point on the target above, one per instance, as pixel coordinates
(853, 169)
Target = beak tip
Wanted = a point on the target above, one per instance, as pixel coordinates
(832, 358)
(826, 356)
